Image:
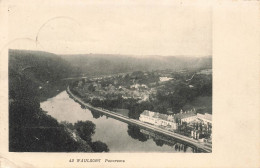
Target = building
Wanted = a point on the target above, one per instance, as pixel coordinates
(158, 119)
(135, 86)
(206, 118)
(164, 79)
(187, 116)
(171, 121)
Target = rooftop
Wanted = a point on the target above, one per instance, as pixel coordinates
(166, 117)
(205, 116)
(185, 114)
(155, 115)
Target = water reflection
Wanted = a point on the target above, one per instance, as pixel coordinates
(96, 114)
(119, 136)
(160, 140)
(135, 133)
(142, 135)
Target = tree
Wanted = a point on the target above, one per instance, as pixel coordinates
(96, 114)
(158, 142)
(135, 133)
(91, 88)
(99, 146)
(67, 124)
(85, 129)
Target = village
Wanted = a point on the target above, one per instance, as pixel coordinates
(160, 98)
(189, 123)
(127, 86)
(139, 85)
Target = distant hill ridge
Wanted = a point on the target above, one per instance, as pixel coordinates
(39, 65)
(103, 64)
(108, 63)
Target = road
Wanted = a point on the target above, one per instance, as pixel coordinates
(142, 124)
(74, 78)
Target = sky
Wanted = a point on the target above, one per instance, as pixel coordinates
(123, 28)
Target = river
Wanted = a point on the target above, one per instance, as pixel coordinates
(119, 136)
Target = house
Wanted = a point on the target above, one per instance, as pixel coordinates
(136, 86)
(206, 118)
(144, 86)
(147, 116)
(169, 111)
(158, 119)
(163, 79)
(191, 86)
(187, 116)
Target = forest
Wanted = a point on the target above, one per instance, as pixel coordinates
(33, 77)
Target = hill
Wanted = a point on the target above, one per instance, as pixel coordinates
(104, 64)
(34, 76)
(39, 65)
(42, 70)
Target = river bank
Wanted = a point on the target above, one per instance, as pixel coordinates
(139, 123)
(119, 136)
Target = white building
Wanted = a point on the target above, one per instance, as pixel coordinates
(171, 121)
(136, 86)
(158, 119)
(206, 118)
(163, 79)
(191, 86)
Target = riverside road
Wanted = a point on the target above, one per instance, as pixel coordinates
(112, 114)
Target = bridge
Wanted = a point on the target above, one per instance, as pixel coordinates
(193, 142)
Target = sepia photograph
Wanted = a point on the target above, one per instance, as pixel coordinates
(135, 81)
(104, 82)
